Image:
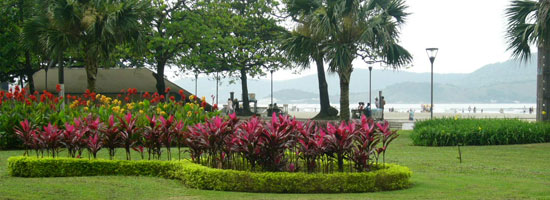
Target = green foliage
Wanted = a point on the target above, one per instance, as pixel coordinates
(454, 131)
(392, 177)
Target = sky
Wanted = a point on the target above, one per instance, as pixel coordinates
(468, 33)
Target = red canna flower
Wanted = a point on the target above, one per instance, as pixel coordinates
(58, 88)
(215, 107)
(167, 90)
(181, 93)
(146, 95)
(127, 99)
(172, 98)
(161, 97)
(28, 102)
(203, 104)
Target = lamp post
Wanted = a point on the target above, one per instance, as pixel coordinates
(217, 84)
(196, 82)
(432, 53)
(272, 87)
(370, 81)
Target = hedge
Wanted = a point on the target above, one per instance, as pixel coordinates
(454, 131)
(392, 177)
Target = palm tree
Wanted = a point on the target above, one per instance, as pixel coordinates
(94, 27)
(303, 46)
(368, 29)
(529, 23)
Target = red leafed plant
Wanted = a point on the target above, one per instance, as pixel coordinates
(311, 144)
(25, 133)
(340, 141)
(152, 138)
(387, 137)
(366, 143)
(111, 136)
(94, 144)
(129, 131)
(51, 137)
(276, 138)
(247, 140)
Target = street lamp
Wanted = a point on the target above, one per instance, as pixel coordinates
(370, 81)
(432, 53)
(271, 87)
(196, 82)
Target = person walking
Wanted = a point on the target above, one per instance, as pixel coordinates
(376, 102)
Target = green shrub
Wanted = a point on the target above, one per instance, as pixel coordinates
(392, 177)
(454, 131)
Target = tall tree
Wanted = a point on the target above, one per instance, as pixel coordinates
(17, 58)
(304, 46)
(244, 43)
(368, 29)
(93, 27)
(529, 24)
(176, 26)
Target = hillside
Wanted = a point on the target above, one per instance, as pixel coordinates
(506, 82)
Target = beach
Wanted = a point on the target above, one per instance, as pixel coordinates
(399, 116)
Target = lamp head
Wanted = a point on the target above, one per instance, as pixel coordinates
(432, 53)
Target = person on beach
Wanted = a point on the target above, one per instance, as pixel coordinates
(376, 102)
(469, 109)
(229, 106)
(475, 109)
(411, 114)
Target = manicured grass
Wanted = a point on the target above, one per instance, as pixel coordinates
(487, 172)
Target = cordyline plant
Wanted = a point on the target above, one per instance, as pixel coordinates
(279, 144)
(311, 144)
(247, 140)
(128, 133)
(25, 134)
(51, 137)
(340, 141)
(111, 136)
(152, 138)
(366, 142)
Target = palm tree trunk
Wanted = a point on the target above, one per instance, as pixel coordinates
(344, 75)
(244, 85)
(323, 90)
(543, 83)
(91, 73)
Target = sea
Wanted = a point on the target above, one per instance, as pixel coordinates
(516, 108)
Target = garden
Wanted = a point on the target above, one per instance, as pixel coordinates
(146, 145)
(281, 155)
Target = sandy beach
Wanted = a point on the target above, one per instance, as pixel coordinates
(402, 116)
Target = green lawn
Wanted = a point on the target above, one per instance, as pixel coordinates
(487, 172)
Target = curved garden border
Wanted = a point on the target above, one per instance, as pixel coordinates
(193, 175)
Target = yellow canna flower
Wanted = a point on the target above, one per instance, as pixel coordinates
(165, 106)
(140, 111)
(89, 103)
(116, 109)
(141, 103)
(163, 113)
(122, 110)
(189, 113)
(203, 98)
(158, 110)
(86, 109)
(97, 96)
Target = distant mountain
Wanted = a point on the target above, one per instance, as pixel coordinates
(506, 82)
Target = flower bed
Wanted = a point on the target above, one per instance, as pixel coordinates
(391, 177)
(42, 109)
(454, 131)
